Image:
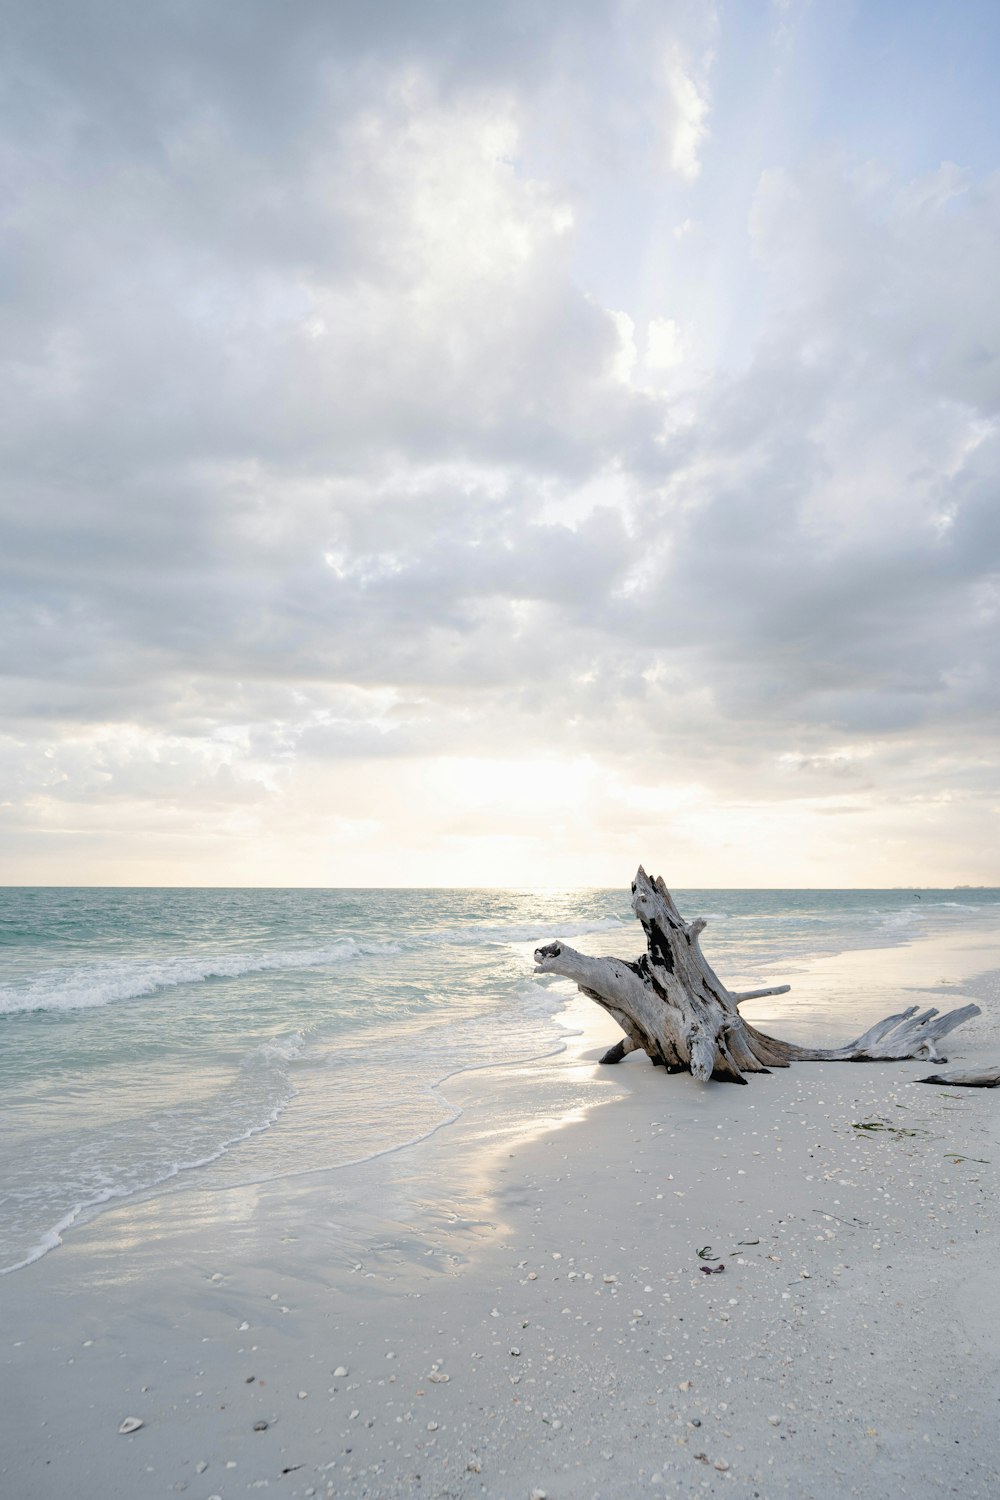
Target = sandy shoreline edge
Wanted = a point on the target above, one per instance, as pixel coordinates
(848, 1347)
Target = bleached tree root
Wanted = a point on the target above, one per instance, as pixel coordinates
(671, 1005)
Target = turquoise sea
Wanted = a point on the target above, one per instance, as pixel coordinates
(153, 1040)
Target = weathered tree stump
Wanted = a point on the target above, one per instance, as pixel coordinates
(672, 1006)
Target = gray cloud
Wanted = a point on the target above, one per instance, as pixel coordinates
(318, 449)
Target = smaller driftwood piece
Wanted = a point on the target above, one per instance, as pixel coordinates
(671, 1005)
(967, 1078)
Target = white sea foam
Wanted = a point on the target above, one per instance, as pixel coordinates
(86, 1208)
(84, 986)
(901, 924)
(89, 985)
(482, 1043)
(278, 1049)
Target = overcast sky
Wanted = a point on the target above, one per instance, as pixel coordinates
(497, 443)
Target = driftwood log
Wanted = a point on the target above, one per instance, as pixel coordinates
(671, 1005)
(967, 1078)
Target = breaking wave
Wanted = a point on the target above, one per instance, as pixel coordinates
(84, 986)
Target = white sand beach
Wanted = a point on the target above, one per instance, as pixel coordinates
(517, 1306)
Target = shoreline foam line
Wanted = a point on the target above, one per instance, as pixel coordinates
(87, 1211)
(115, 1197)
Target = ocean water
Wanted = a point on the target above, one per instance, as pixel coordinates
(152, 1040)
